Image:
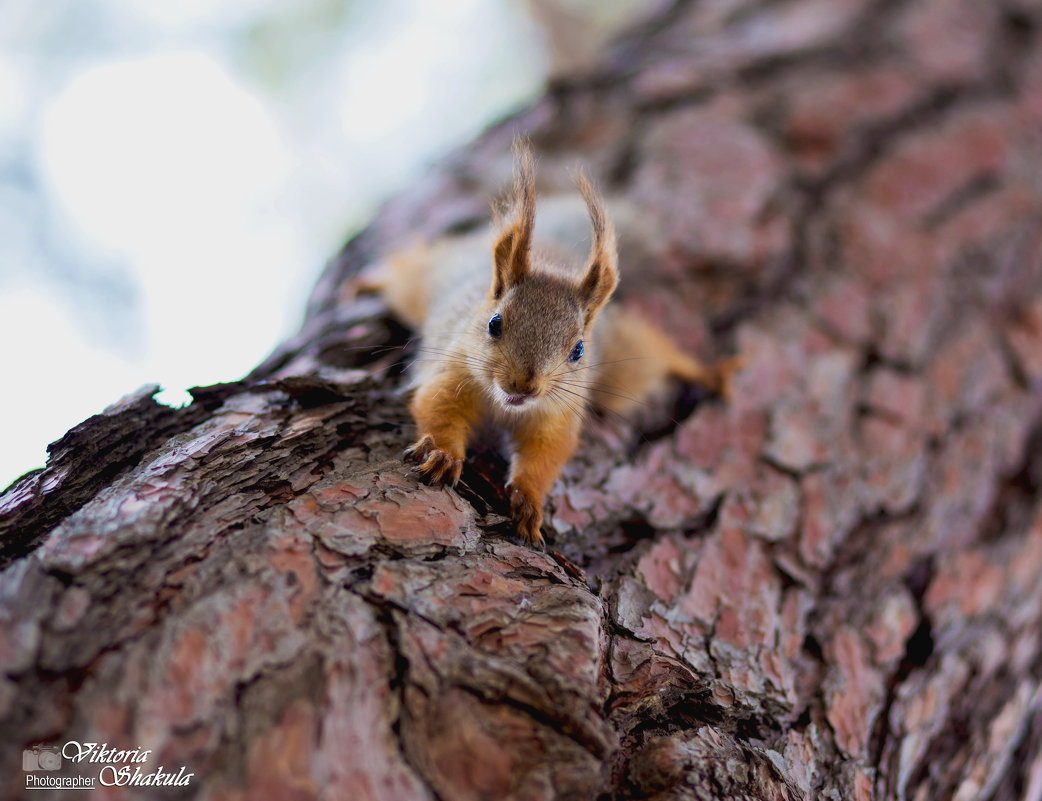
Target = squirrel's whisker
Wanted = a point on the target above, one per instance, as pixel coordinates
(571, 405)
(605, 391)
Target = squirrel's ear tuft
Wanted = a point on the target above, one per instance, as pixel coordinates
(511, 253)
(602, 273)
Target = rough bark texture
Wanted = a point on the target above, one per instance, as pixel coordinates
(829, 587)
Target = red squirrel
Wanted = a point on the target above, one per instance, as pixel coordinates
(520, 342)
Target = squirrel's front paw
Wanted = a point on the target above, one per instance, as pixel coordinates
(435, 465)
(528, 514)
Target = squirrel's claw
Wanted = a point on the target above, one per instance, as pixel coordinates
(435, 465)
(528, 516)
(418, 450)
(725, 370)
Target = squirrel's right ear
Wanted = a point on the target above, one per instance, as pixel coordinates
(602, 270)
(511, 253)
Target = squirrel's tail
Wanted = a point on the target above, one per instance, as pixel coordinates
(403, 278)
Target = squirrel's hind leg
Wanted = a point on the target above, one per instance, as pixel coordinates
(638, 360)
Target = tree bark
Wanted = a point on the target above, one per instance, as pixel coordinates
(829, 586)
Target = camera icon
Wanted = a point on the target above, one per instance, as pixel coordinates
(41, 757)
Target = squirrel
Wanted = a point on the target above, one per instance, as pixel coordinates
(525, 346)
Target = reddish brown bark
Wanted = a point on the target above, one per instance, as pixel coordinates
(829, 587)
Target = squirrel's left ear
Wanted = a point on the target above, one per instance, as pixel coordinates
(602, 273)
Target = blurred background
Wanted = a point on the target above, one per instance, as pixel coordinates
(174, 173)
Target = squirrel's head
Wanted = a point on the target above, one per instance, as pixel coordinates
(534, 335)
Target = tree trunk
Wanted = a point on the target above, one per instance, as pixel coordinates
(829, 586)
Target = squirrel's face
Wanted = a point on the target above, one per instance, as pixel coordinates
(533, 344)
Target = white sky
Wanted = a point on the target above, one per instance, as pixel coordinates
(165, 207)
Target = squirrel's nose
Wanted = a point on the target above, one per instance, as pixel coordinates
(521, 386)
(517, 392)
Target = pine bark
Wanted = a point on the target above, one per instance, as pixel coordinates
(829, 586)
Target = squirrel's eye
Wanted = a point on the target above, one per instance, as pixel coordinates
(577, 352)
(495, 326)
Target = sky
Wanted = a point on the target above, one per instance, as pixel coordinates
(173, 175)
